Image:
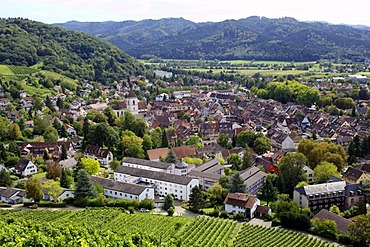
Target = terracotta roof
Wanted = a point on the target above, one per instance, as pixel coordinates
(262, 209)
(120, 105)
(184, 151)
(342, 223)
(240, 199)
(157, 153)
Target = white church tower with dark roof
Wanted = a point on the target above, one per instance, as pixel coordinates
(132, 103)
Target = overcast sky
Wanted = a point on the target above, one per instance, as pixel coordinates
(53, 11)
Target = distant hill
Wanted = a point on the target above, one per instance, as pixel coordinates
(73, 54)
(284, 39)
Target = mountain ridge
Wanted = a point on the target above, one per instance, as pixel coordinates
(253, 37)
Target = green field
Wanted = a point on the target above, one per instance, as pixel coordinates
(98, 227)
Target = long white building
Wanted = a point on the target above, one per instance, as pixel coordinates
(120, 190)
(164, 183)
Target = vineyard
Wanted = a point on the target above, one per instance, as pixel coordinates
(20, 70)
(114, 227)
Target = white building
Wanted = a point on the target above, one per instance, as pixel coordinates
(12, 196)
(253, 179)
(310, 174)
(236, 203)
(131, 104)
(162, 97)
(25, 168)
(163, 183)
(208, 173)
(120, 190)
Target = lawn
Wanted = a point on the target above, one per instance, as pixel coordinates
(40, 175)
(5, 70)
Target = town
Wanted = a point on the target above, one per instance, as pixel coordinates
(220, 152)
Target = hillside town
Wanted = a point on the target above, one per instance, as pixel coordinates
(223, 149)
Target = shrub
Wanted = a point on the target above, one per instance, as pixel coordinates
(215, 212)
(170, 211)
(239, 216)
(147, 203)
(52, 204)
(131, 209)
(275, 222)
(224, 215)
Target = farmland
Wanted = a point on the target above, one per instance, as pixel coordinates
(97, 227)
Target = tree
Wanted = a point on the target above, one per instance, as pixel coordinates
(90, 165)
(147, 142)
(50, 134)
(247, 158)
(195, 140)
(14, 131)
(237, 184)
(165, 141)
(168, 202)
(291, 170)
(261, 144)
(54, 189)
(132, 145)
(3, 153)
(217, 194)
(111, 115)
(84, 186)
(34, 189)
(54, 171)
(114, 164)
(302, 183)
(196, 199)
(156, 135)
(66, 180)
(245, 138)
(5, 179)
(269, 192)
(63, 155)
(223, 141)
(334, 209)
(147, 203)
(359, 231)
(4, 128)
(235, 160)
(14, 149)
(171, 157)
(225, 182)
(63, 131)
(324, 171)
(40, 124)
(365, 187)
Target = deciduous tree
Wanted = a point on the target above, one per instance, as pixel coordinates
(90, 165)
(34, 189)
(54, 189)
(324, 171)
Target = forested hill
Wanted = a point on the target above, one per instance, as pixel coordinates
(284, 39)
(74, 54)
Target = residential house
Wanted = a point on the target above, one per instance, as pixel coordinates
(262, 211)
(184, 151)
(104, 156)
(309, 173)
(322, 195)
(245, 204)
(208, 173)
(37, 149)
(120, 190)
(25, 167)
(12, 195)
(354, 176)
(341, 223)
(353, 195)
(163, 183)
(253, 179)
(69, 163)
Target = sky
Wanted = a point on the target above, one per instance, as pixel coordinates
(57, 11)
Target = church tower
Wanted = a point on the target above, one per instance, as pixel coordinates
(132, 103)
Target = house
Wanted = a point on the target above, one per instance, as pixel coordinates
(25, 167)
(104, 156)
(310, 174)
(322, 195)
(37, 149)
(262, 211)
(70, 130)
(184, 151)
(131, 104)
(12, 196)
(353, 195)
(342, 223)
(66, 193)
(208, 173)
(354, 176)
(253, 179)
(120, 190)
(245, 204)
(163, 183)
(69, 163)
